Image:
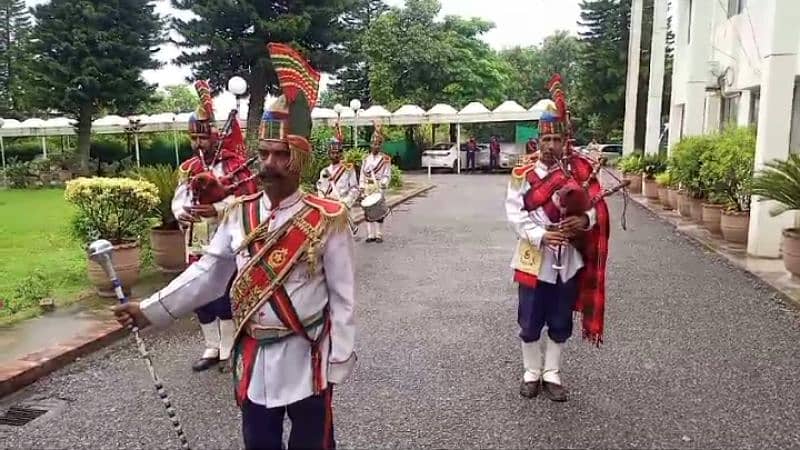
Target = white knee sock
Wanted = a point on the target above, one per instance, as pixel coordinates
(532, 360)
(226, 331)
(378, 231)
(552, 361)
(370, 230)
(212, 338)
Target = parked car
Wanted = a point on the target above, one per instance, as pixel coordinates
(443, 156)
(440, 156)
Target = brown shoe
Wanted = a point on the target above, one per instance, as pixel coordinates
(554, 392)
(530, 389)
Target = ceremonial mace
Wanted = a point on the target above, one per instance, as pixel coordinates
(100, 252)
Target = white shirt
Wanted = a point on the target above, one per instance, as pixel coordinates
(282, 374)
(532, 225)
(346, 188)
(370, 163)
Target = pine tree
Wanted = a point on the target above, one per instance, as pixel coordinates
(352, 81)
(15, 27)
(234, 40)
(89, 57)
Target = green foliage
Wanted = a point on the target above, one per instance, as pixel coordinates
(179, 98)
(355, 156)
(779, 181)
(28, 291)
(632, 163)
(117, 209)
(664, 178)
(687, 163)
(417, 59)
(727, 169)
(18, 173)
(90, 55)
(165, 179)
(396, 178)
(15, 59)
(232, 38)
(652, 165)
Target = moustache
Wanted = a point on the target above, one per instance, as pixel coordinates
(269, 175)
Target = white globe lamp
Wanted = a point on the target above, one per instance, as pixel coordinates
(237, 86)
(338, 108)
(355, 104)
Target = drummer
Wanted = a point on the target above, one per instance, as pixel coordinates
(338, 181)
(376, 171)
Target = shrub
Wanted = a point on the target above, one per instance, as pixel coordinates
(28, 292)
(631, 164)
(779, 181)
(18, 173)
(727, 169)
(686, 162)
(165, 179)
(117, 209)
(651, 165)
(664, 179)
(396, 180)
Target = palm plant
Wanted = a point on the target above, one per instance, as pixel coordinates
(166, 181)
(779, 181)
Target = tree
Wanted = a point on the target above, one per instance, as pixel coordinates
(89, 55)
(177, 98)
(416, 59)
(352, 81)
(15, 27)
(234, 41)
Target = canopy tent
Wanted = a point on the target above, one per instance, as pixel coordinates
(474, 112)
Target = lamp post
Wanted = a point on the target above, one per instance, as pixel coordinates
(337, 108)
(237, 86)
(355, 105)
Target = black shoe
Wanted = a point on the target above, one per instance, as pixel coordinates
(370, 240)
(554, 392)
(379, 240)
(530, 389)
(204, 364)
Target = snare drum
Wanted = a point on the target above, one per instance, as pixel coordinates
(375, 208)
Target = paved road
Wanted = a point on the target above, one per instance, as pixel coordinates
(697, 354)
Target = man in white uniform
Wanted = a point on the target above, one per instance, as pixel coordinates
(376, 172)
(338, 181)
(293, 298)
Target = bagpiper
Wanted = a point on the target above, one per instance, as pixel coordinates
(293, 297)
(222, 156)
(376, 172)
(555, 278)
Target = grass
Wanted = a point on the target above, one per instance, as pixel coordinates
(34, 236)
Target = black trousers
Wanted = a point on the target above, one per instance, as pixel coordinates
(312, 424)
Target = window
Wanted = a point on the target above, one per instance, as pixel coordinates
(755, 102)
(736, 7)
(729, 110)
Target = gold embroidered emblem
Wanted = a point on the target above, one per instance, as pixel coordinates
(277, 257)
(530, 258)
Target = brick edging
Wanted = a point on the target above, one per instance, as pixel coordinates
(29, 368)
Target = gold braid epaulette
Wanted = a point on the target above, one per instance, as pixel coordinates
(237, 202)
(334, 213)
(519, 174)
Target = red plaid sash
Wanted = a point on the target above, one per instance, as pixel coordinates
(592, 278)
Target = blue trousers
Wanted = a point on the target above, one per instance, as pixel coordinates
(312, 424)
(550, 304)
(470, 160)
(218, 309)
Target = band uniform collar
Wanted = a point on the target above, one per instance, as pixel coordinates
(288, 202)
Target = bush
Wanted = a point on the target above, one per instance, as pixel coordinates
(651, 165)
(396, 180)
(727, 170)
(687, 161)
(28, 292)
(18, 173)
(117, 209)
(779, 181)
(631, 164)
(165, 179)
(664, 179)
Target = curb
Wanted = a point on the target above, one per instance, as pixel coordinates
(31, 367)
(789, 298)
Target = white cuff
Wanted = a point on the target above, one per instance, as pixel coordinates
(155, 311)
(338, 372)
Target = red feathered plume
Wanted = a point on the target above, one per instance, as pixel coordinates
(554, 86)
(206, 108)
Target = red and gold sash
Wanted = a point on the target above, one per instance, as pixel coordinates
(335, 178)
(382, 164)
(260, 282)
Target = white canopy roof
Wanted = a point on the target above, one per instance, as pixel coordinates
(474, 112)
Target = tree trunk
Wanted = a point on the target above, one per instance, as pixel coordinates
(453, 134)
(258, 88)
(84, 137)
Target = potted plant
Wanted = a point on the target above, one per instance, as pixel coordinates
(652, 165)
(631, 168)
(663, 181)
(166, 238)
(116, 209)
(728, 173)
(687, 157)
(672, 189)
(779, 181)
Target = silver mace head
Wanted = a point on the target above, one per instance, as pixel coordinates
(100, 252)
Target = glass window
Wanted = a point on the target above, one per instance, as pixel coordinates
(755, 102)
(729, 111)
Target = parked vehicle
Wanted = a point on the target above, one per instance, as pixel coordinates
(443, 156)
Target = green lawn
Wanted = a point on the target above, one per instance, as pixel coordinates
(34, 235)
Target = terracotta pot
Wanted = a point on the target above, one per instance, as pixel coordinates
(651, 189)
(734, 226)
(791, 251)
(169, 250)
(663, 197)
(636, 182)
(126, 263)
(712, 217)
(684, 205)
(696, 209)
(672, 194)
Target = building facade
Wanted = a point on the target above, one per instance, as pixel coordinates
(736, 61)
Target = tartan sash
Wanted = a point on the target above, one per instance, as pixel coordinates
(260, 282)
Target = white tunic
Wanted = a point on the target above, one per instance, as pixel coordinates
(183, 196)
(531, 226)
(346, 188)
(369, 165)
(282, 374)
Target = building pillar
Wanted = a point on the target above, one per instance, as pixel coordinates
(632, 86)
(774, 118)
(655, 93)
(743, 114)
(699, 51)
(678, 74)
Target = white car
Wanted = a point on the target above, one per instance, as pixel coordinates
(443, 156)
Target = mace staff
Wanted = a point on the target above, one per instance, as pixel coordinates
(100, 252)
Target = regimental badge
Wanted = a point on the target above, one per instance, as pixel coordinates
(277, 257)
(530, 258)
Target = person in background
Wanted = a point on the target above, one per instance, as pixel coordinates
(494, 154)
(472, 150)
